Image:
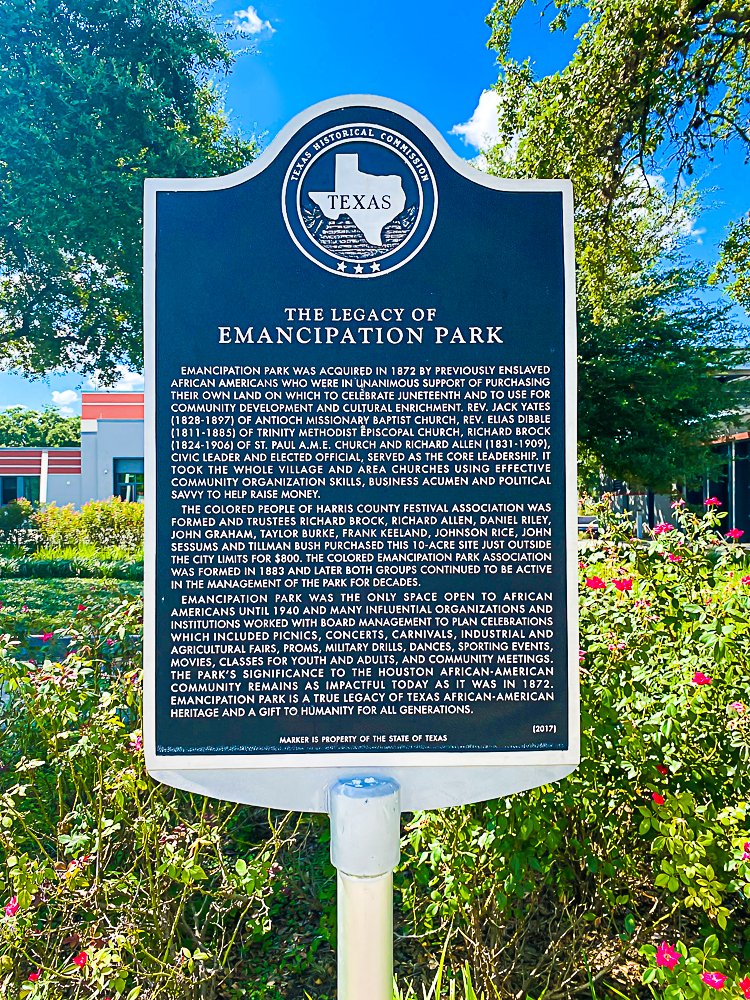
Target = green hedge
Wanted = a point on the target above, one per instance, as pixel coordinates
(47, 569)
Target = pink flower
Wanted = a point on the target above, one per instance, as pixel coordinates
(735, 533)
(80, 959)
(110, 642)
(46, 636)
(744, 985)
(595, 583)
(25, 608)
(581, 655)
(715, 980)
(712, 502)
(658, 799)
(623, 584)
(700, 678)
(667, 956)
(12, 907)
(745, 857)
(34, 976)
(660, 529)
(662, 769)
(678, 503)
(737, 706)
(673, 558)
(136, 742)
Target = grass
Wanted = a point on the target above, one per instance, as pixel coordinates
(52, 604)
(74, 552)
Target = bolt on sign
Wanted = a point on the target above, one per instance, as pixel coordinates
(360, 470)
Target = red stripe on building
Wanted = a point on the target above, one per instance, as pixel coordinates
(92, 411)
(112, 397)
(112, 406)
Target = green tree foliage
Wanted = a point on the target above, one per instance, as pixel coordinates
(734, 264)
(650, 89)
(94, 97)
(22, 428)
(650, 382)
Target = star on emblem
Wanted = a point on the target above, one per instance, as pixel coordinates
(358, 269)
(341, 266)
(375, 267)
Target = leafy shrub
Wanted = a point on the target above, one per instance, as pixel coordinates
(116, 569)
(112, 883)
(646, 841)
(100, 523)
(59, 526)
(16, 523)
(113, 522)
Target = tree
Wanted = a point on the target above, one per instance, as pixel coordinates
(22, 428)
(652, 87)
(650, 382)
(649, 89)
(94, 97)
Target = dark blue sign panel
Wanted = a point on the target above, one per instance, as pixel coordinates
(362, 406)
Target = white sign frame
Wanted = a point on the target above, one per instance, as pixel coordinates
(299, 780)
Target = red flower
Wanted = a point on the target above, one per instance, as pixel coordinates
(715, 980)
(700, 678)
(81, 607)
(745, 857)
(34, 976)
(12, 907)
(80, 959)
(744, 985)
(660, 529)
(623, 584)
(46, 636)
(658, 799)
(662, 769)
(595, 583)
(667, 956)
(712, 502)
(746, 580)
(735, 533)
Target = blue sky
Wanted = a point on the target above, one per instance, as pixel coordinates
(433, 57)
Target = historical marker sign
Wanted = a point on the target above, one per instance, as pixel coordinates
(360, 469)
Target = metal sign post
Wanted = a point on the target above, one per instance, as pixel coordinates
(361, 489)
(365, 848)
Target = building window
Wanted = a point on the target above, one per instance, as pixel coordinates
(14, 487)
(128, 475)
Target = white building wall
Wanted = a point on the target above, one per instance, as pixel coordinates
(64, 489)
(99, 448)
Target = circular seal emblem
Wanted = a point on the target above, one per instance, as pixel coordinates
(359, 200)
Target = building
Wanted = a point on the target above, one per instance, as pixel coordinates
(108, 463)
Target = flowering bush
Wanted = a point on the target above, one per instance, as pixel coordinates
(644, 842)
(637, 866)
(111, 884)
(103, 523)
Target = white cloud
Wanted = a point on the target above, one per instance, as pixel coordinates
(249, 22)
(481, 129)
(64, 400)
(128, 381)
